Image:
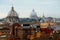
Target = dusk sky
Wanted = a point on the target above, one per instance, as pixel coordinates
(24, 7)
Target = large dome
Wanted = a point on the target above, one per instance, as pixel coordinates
(12, 13)
(12, 16)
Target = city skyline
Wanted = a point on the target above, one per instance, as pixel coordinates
(25, 7)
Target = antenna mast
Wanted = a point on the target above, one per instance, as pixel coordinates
(12, 2)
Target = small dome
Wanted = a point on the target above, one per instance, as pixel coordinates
(33, 14)
(12, 13)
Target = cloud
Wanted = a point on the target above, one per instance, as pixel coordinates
(53, 2)
(26, 6)
(12, 1)
(2, 15)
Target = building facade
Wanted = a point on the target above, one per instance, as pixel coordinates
(23, 28)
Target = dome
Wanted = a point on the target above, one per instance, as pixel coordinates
(12, 16)
(33, 14)
(12, 13)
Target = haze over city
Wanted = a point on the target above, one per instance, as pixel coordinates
(25, 7)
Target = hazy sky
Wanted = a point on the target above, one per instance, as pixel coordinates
(24, 7)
